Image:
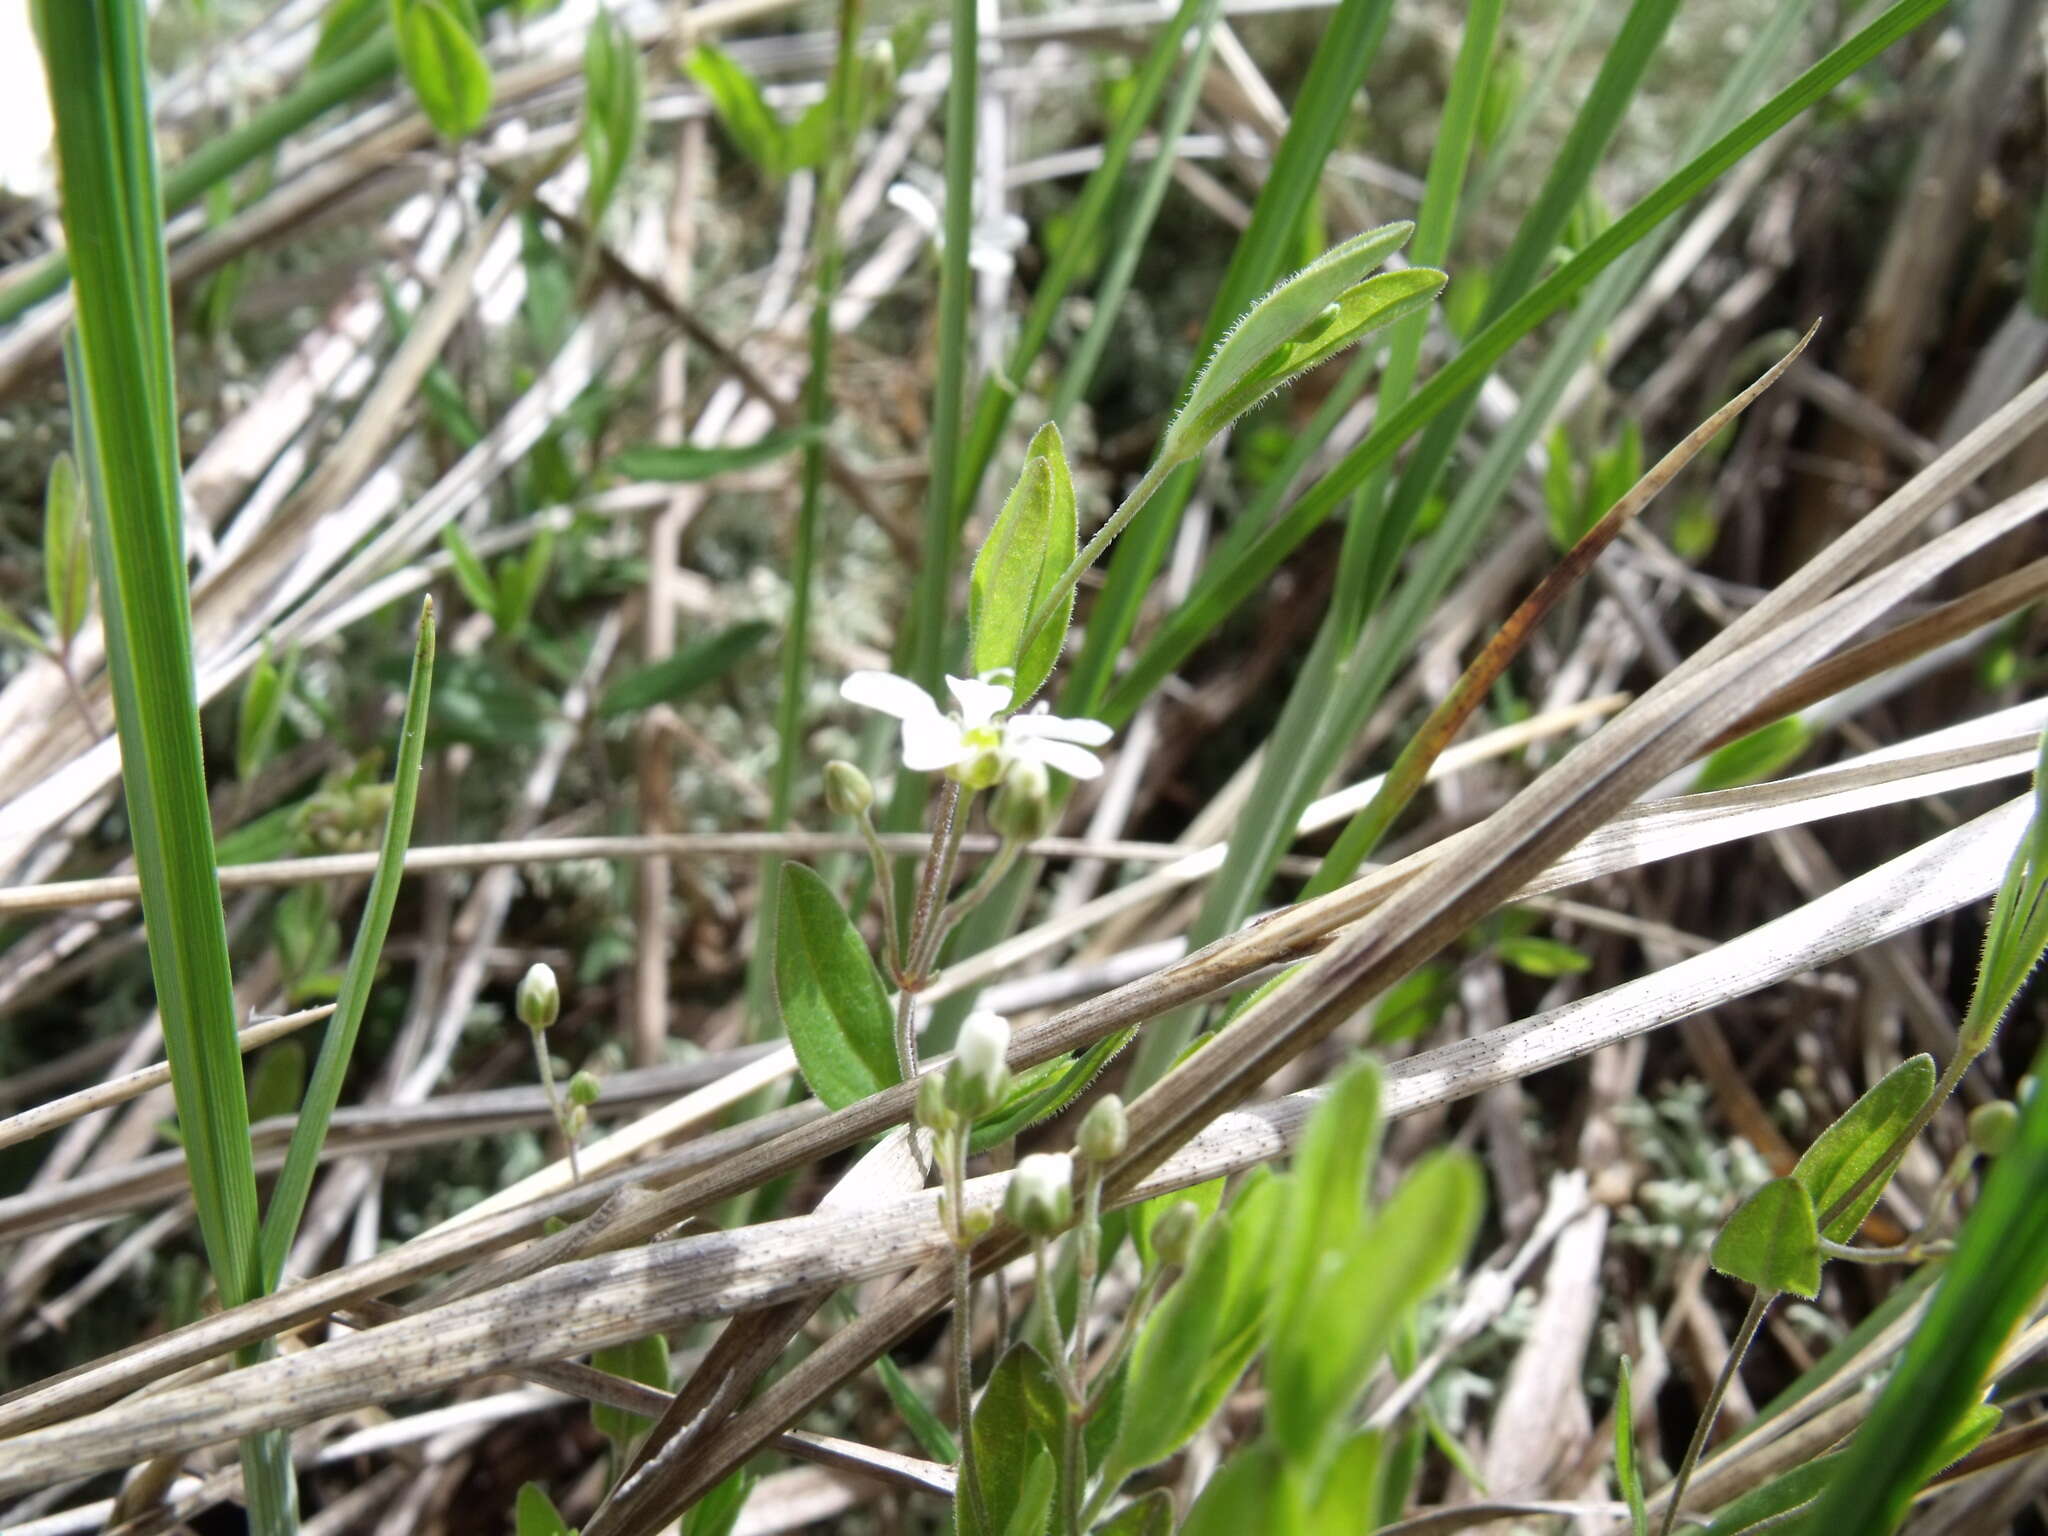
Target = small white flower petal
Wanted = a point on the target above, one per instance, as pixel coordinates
(980, 700)
(932, 742)
(889, 694)
(1075, 762)
(1038, 724)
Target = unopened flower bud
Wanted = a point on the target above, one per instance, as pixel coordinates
(584, 1089)
(1022, 809)
(1993, 1126)
(979, 1074)
(540, 1000)
(1104, 1131)
(933, 1112)
(1173, 1235)
(1040, 1199)
(847, 790)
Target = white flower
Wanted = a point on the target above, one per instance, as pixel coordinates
(974, 744)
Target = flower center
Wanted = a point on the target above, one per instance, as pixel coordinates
(983, 738)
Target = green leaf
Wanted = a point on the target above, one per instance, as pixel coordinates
(833, 1004)
(1626, 1473)
(347, 25)
(1846, 1150)
(444, 66)
(1763, 752)
(470, 574)
(1249, 1493)
(642, 1360)
(1171, 1358)
(1413, 1004)
(1771, 1241)
(936, 1440)
(295, 1179)
(1018, 1424)
(536, 1514)
(1332, 1338)
(257, 719)
(736, 98)
(1343, 314)
(719, 1510)
(1326, 1205)
(613, 91)
(67, 558)
(1560, 491)
(1205, 1198)
(1029, 548)
(277, 1081)
(1545, 958)
(676, 677)
(19, 630)
(1151, 1515)
(684, 462)
(1350, 1487)
(520, 581)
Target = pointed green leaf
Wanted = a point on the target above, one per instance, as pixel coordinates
(642, 1360)
(737, 99)
(1250, 1492)
(1546, 958)
(685, 462)
(1328, 1344)
(345, 27)
(277, 1081)
(1172, 1357)
(1029, 548)
(444, 66)
(520, 581)
(1763, 752)
(936, 1440)
(1151, 1515)
(1846, 1150)
(18, 629)
(1349, 1488)
(536, 1514)
(833, 1004)
(257, 719)
(67, 560)
(674, 678)
(1771, 1241)
(719, 1510)
(613, 89)
(1326, 1192)
(470, 574)
(1018, 1424)
(1626, 1473)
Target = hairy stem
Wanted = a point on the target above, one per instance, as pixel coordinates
(1758, 1306)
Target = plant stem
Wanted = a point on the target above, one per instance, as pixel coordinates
(985, 883)
(947, 830)
(1070, 578)
(878, 856)
(547, 1082)
(952, 1152)
(1758, 1306)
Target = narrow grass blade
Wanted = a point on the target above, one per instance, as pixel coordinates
(288, 1197)
(1229, 581)
(122, 403)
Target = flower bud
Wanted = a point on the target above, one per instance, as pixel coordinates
(1104, 1131)
(933, 1112)
(847, 790)
(584, 1089)
(1174, 1234)
(1022, 809)
(1040, 1199)
(539, 1000)
(979, 1074)
(1993, 1126)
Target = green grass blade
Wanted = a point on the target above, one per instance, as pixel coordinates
(1227, 583)
(928, 621)
(999, 394)
(122, 402)
(302, 1159)
(1349, 42)
(1135, 224)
